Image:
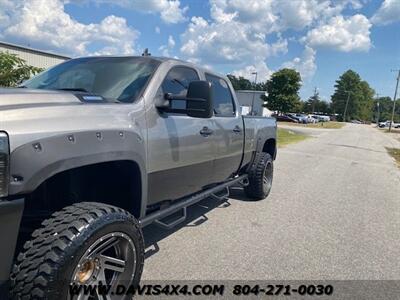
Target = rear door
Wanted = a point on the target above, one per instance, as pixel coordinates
(180, 148)
(228, 126)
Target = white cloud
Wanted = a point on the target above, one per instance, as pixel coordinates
(389, 12)
(263, 72)
(300, 13)
(256, 13)
(279, 47)
(170, 10)
(239, 32)
(343, 34)
(165, 49)
(171, 42)
(304, 64)
(225, 43)
(45, 23)
(157, 30)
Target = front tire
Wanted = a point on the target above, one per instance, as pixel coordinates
(83, 244)
(260, 177)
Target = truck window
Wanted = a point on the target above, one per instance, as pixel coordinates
(223, 100)
(177, 82)
(119, 79)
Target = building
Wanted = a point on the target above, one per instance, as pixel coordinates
(33, 57)
(252, 102)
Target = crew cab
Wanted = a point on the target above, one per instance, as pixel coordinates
(94, 149)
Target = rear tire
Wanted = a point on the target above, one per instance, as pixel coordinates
(82, 244)
(260, 177)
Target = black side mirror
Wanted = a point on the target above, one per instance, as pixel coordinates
(198, 100)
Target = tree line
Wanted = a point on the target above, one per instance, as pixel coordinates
(283, 87)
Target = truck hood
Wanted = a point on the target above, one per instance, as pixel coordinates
(14, 98)
(27, 115)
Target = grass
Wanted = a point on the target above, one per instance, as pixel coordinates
(326, 125)
(395, 153)
(286, 137)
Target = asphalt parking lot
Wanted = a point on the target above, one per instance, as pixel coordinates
(333, 213)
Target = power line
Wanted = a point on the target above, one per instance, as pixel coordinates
(394, 98)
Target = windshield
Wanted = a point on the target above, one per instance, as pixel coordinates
(114, 78)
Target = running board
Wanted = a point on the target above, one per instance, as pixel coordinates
(222, 197)
(186, 202)
(172, 224)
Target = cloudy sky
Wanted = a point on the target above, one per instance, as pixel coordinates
(320, 38)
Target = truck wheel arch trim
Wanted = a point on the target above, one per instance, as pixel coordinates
(59, 154)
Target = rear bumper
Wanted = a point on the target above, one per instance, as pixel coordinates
(10, 218)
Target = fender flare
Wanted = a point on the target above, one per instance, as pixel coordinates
(36, 161)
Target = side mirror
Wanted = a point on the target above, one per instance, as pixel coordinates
(198, 100)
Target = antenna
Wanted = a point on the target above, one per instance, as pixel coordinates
(146, 52)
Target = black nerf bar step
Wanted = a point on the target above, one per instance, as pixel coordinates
(186, 202)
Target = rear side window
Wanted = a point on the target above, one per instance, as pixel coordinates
(222, 97)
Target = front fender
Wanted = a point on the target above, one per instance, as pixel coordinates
(34, 162)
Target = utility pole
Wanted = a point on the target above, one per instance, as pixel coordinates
(313, 103)
(347, 103)
(377, 104)
(394, 98)
(254, 92)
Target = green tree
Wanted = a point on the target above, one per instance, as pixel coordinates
(240, 83)
(360, 104)
(316, 104)
(385, 109)
(283, 91)
(14, 70)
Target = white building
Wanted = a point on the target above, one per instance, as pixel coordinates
(33, 57)
(252, 102)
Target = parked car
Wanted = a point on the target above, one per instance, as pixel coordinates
(299, 117)
(311, 119)
(94, 149)
(322, 118)
(386, 124)
(285, 118)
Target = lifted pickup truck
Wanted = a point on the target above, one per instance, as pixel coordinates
(94, 149)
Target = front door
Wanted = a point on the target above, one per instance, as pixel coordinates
(180, 148)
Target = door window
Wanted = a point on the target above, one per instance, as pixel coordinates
(222, 97)
(177, 82)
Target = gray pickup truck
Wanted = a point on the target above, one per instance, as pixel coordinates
(94, 149)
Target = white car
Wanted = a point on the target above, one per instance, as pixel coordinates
(322, 118)
(387, 124)
(311, 119)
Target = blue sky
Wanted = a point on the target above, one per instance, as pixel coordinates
(320, 38)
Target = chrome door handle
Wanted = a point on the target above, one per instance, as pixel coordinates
(237, 129)
(206, 131)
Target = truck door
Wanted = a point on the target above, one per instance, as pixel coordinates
(181, 149)
(229, 133)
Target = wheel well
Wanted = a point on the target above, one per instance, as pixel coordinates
(270, 147)
(117, 183)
